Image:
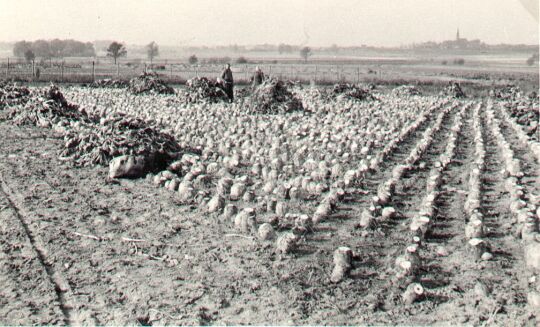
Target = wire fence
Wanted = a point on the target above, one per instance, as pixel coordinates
(87, 71)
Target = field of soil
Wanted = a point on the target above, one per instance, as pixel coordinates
(79, 248)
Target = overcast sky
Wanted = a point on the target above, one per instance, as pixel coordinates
(246, 22)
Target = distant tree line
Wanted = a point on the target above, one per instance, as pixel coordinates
(54, 49)
(286, 48)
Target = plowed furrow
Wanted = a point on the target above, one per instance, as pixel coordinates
(530, 168)
(377, 249)
(40, 252)
(504, 274)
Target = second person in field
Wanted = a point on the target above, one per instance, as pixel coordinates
(228, 82)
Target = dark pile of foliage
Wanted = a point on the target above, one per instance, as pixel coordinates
(12, 94)
(149, 83)
(526, 114)
(91, 144)
(273, 97)
(351, 91)
(508, 92)
(45, 108)
(202, 89)
(406, 90)
(524, 109)
(110, 83)
(91, 140)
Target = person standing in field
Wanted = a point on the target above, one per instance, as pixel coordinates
(227, 77)
(258, 77)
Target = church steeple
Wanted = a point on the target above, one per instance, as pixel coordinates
(457, 35)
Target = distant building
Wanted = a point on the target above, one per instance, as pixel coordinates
(458, 44)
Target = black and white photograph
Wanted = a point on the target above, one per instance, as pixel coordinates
(269, 163)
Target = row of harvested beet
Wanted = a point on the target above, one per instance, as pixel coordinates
(524, 208)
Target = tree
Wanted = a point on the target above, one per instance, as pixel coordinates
(241, 60)
(20, 48)
(29, 55)
(42, 48)
(306, 53)
(54, 48)
(116, 50)
(532, 59)
(193, 59)
(152, 50)
(57, 48)
(284, 48)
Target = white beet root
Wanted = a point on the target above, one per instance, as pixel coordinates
(533, 299)
(474, 229)
(127, 166)
(530, 229)
(281, 209)
(366, 219)
(286, 243)
(420, 225)
(216, 203)
(388, 212)
(224, 186)
(532, 256)
(266, 232)
(186, 193)
(271, 205)
(249, 196)
(237, 190)
(322, 212)
(295, 193)
(173, 185)
(342, 264)
(245, 220)
(303, 224)
(413, 293)
(229, 212)
(478, 247)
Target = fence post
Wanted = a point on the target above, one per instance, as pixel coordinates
(117, 69)
(93, 71)
(292, 72)
(33, 68)
(62, 72)
(7, 67)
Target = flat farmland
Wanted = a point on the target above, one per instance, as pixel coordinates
(380, 67)
(380, 206)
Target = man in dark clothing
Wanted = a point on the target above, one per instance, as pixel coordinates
(258, 77)
(228, 82)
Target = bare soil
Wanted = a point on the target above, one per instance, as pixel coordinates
(77, 248)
